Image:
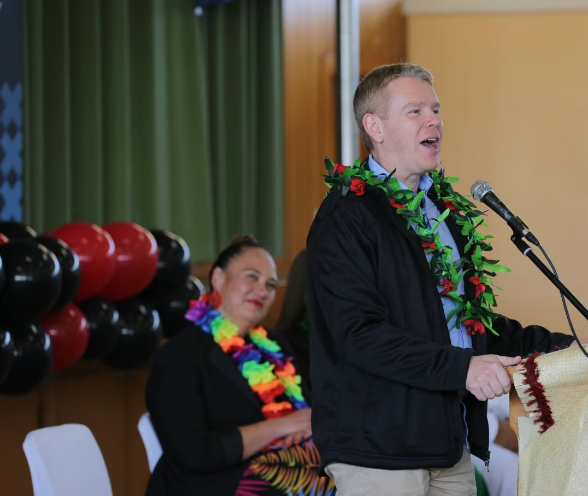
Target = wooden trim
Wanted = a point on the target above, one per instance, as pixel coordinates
(432, 7)
(201, 270)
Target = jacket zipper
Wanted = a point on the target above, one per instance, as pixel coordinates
(487, 461)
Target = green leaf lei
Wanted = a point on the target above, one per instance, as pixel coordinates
(476, 314)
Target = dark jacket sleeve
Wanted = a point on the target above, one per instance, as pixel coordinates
(178, 414)
(343, 272)
(513, 339)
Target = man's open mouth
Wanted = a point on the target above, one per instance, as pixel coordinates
(432, 143)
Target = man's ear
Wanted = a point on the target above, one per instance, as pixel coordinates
(218, 279)
(373, 127)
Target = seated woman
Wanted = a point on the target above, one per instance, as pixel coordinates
(224, 396)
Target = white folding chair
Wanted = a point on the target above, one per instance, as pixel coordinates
(66, 460)
(150, 440)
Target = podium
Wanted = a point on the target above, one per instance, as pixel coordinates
(549, 414)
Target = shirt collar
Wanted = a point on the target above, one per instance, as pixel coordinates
(425, 181)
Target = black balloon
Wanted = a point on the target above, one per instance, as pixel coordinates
(16, 230)
(32, 360)
(32, 284)
(173, 268)
(139, 333)
(102, 319)
(172, 313)
(70, 269)
(6, 353)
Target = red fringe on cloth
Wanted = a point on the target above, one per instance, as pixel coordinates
(536, 391)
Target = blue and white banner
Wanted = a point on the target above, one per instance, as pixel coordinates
(11, 119)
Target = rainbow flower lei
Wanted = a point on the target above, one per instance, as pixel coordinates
(268, 372)
(477, 314)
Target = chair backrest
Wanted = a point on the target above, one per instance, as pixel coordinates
(66, 460)
(150, 440)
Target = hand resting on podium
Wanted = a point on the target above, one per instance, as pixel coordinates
(487, 378)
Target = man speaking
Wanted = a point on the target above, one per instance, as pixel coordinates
(405, 344)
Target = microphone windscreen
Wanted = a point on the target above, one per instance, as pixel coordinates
(480, 189)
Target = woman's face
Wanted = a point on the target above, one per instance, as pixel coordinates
(247, 287)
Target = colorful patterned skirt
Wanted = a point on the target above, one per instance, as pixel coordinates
(289, 471)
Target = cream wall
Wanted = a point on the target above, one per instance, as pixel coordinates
(514, 94)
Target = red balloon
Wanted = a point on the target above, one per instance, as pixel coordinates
(3, 239)
(69, 334)
(95, 249)
(136, 254)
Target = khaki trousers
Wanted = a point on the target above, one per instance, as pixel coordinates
(361, 481)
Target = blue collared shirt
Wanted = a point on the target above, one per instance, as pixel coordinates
(458, 335)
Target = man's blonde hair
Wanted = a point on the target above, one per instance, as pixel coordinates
(371, 96)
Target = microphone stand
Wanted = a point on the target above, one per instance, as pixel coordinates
(526, 250)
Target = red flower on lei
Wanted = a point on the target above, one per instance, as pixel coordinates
(396, 204)
(357, 186)
(480, 287)
(339, 169)
(448, 285)
(450, 205)
(474, 327)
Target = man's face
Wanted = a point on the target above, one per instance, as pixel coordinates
(411, 129)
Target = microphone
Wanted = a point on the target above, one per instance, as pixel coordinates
(482, 192)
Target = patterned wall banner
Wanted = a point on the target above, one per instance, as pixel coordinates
(11, 125)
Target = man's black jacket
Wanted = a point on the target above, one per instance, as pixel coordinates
(386, 379)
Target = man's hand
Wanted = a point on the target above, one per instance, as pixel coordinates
(487, 378)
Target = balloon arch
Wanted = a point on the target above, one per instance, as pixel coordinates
(86, 292)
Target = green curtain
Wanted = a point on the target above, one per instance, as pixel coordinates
(138, 110)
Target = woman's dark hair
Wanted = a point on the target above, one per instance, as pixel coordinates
(237, 246)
